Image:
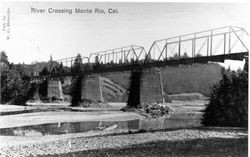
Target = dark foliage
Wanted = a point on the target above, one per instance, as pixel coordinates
(228, 104)
(174, 57)
(134, 90)
(76, 91)
(15, 83)
(156, 110)
(4, 58)
(198, 55)
(43, 89)
(26, 95)
(10, 84)
(78, 65)
(45, 71)
(185, 55)
(246, 64)
(66, 89)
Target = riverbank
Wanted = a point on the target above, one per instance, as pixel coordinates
(176, 142)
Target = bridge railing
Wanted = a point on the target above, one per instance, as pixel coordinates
(224, 40)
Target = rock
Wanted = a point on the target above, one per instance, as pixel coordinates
(111, 127)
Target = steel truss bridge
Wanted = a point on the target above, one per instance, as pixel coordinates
(215, 45)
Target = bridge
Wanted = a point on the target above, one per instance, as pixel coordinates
(214, 45)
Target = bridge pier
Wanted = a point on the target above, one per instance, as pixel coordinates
(145, 88)
(55, 90)
(91, 88)
(151, 90)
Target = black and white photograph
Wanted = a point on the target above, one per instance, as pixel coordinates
(106, 78)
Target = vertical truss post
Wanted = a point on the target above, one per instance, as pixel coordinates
(113, 56)
(116, 58)
(225, 37)
(193, 46)
(179, 49)
(207, 46)
(211, 43)
(105, 57)
(133, 56)
(166, 50)
(121, 55)
(154, 51)
(242, 40)
(124, 57)
(127, 55)
(229, 40)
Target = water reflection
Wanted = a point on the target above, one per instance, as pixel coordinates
(175, 121)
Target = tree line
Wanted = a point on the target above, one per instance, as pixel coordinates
(16, 87)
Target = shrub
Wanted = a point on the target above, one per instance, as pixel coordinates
(198, 55)
(27, 93)
(185, 55)
(156, 110)
(228, 104)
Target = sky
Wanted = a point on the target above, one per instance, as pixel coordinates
(37, 36)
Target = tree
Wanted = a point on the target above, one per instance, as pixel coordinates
(43, 89)
(175, 57)
(185, 55)
(198, 55)
(4, 58)
(77, 66)
(228, 104)
(75, 91)
(45, 71)
(15, 82)
(10, 84)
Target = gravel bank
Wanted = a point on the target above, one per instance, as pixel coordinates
(107, 143)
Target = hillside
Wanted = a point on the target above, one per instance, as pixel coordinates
(196, 78)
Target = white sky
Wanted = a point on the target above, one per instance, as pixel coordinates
(34, 37)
